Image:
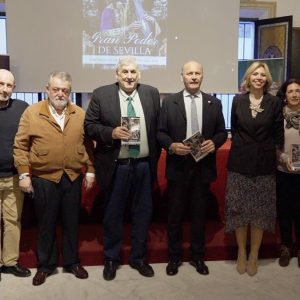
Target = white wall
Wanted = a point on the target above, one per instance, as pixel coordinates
(284, 8)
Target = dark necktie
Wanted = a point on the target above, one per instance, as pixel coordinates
(134, 150)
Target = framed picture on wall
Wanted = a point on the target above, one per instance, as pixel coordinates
(273, 41)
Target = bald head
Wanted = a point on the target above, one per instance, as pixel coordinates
(7, 85)
(7, 74)
(191, 63)
(192, 75)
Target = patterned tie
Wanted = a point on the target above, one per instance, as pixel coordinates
(194, 116)
(134, 150)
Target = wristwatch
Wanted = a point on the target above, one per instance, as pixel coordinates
(22, 176)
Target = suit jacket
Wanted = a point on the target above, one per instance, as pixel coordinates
(172, 128)
(104, 114)
(254, 140)
(42, 147)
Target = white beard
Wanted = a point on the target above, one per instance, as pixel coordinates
(59, 104)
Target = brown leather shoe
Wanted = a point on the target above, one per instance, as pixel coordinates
(285, 256)
(39, 278)
(78, 271)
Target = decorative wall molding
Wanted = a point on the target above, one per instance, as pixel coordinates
(257, 9)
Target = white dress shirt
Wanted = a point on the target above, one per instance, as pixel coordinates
(136, 102)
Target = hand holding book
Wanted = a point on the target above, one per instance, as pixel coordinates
(121, 133)
(179, 149)
(133, 126)
(208, 146)
(199, 146)
(294, 160)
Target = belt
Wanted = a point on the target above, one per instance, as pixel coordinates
(131, 160)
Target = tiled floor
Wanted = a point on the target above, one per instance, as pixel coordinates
(271, 282)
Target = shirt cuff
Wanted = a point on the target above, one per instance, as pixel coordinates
(88, 174)
(23, 175)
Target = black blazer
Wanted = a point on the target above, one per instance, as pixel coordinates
(254, 140)
(104, 114)
(172, 128)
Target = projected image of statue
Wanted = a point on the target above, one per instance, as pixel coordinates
(122, 18)
(124, 27)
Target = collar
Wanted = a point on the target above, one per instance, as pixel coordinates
(45, 109)
(187, 94)
(54, 112)
(7, 104)
(125, 96)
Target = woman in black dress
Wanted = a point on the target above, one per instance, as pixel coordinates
(257, 132)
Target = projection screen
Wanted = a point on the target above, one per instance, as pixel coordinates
(86, 38)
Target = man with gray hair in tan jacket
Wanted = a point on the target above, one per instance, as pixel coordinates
(51, 144)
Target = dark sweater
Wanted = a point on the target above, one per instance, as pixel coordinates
(9, 122)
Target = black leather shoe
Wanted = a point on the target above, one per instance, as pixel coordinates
(285, 256)
(200, 266)
(16, 270)
(143, 268)
(172, 267)
(110, 270)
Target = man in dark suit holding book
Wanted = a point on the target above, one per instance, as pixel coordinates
(182, 115)
(125, 171)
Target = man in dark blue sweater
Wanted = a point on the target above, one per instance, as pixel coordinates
(11, 198)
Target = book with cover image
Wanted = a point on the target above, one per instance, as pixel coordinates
(133, 125)
(194, 142)
(295, 157)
